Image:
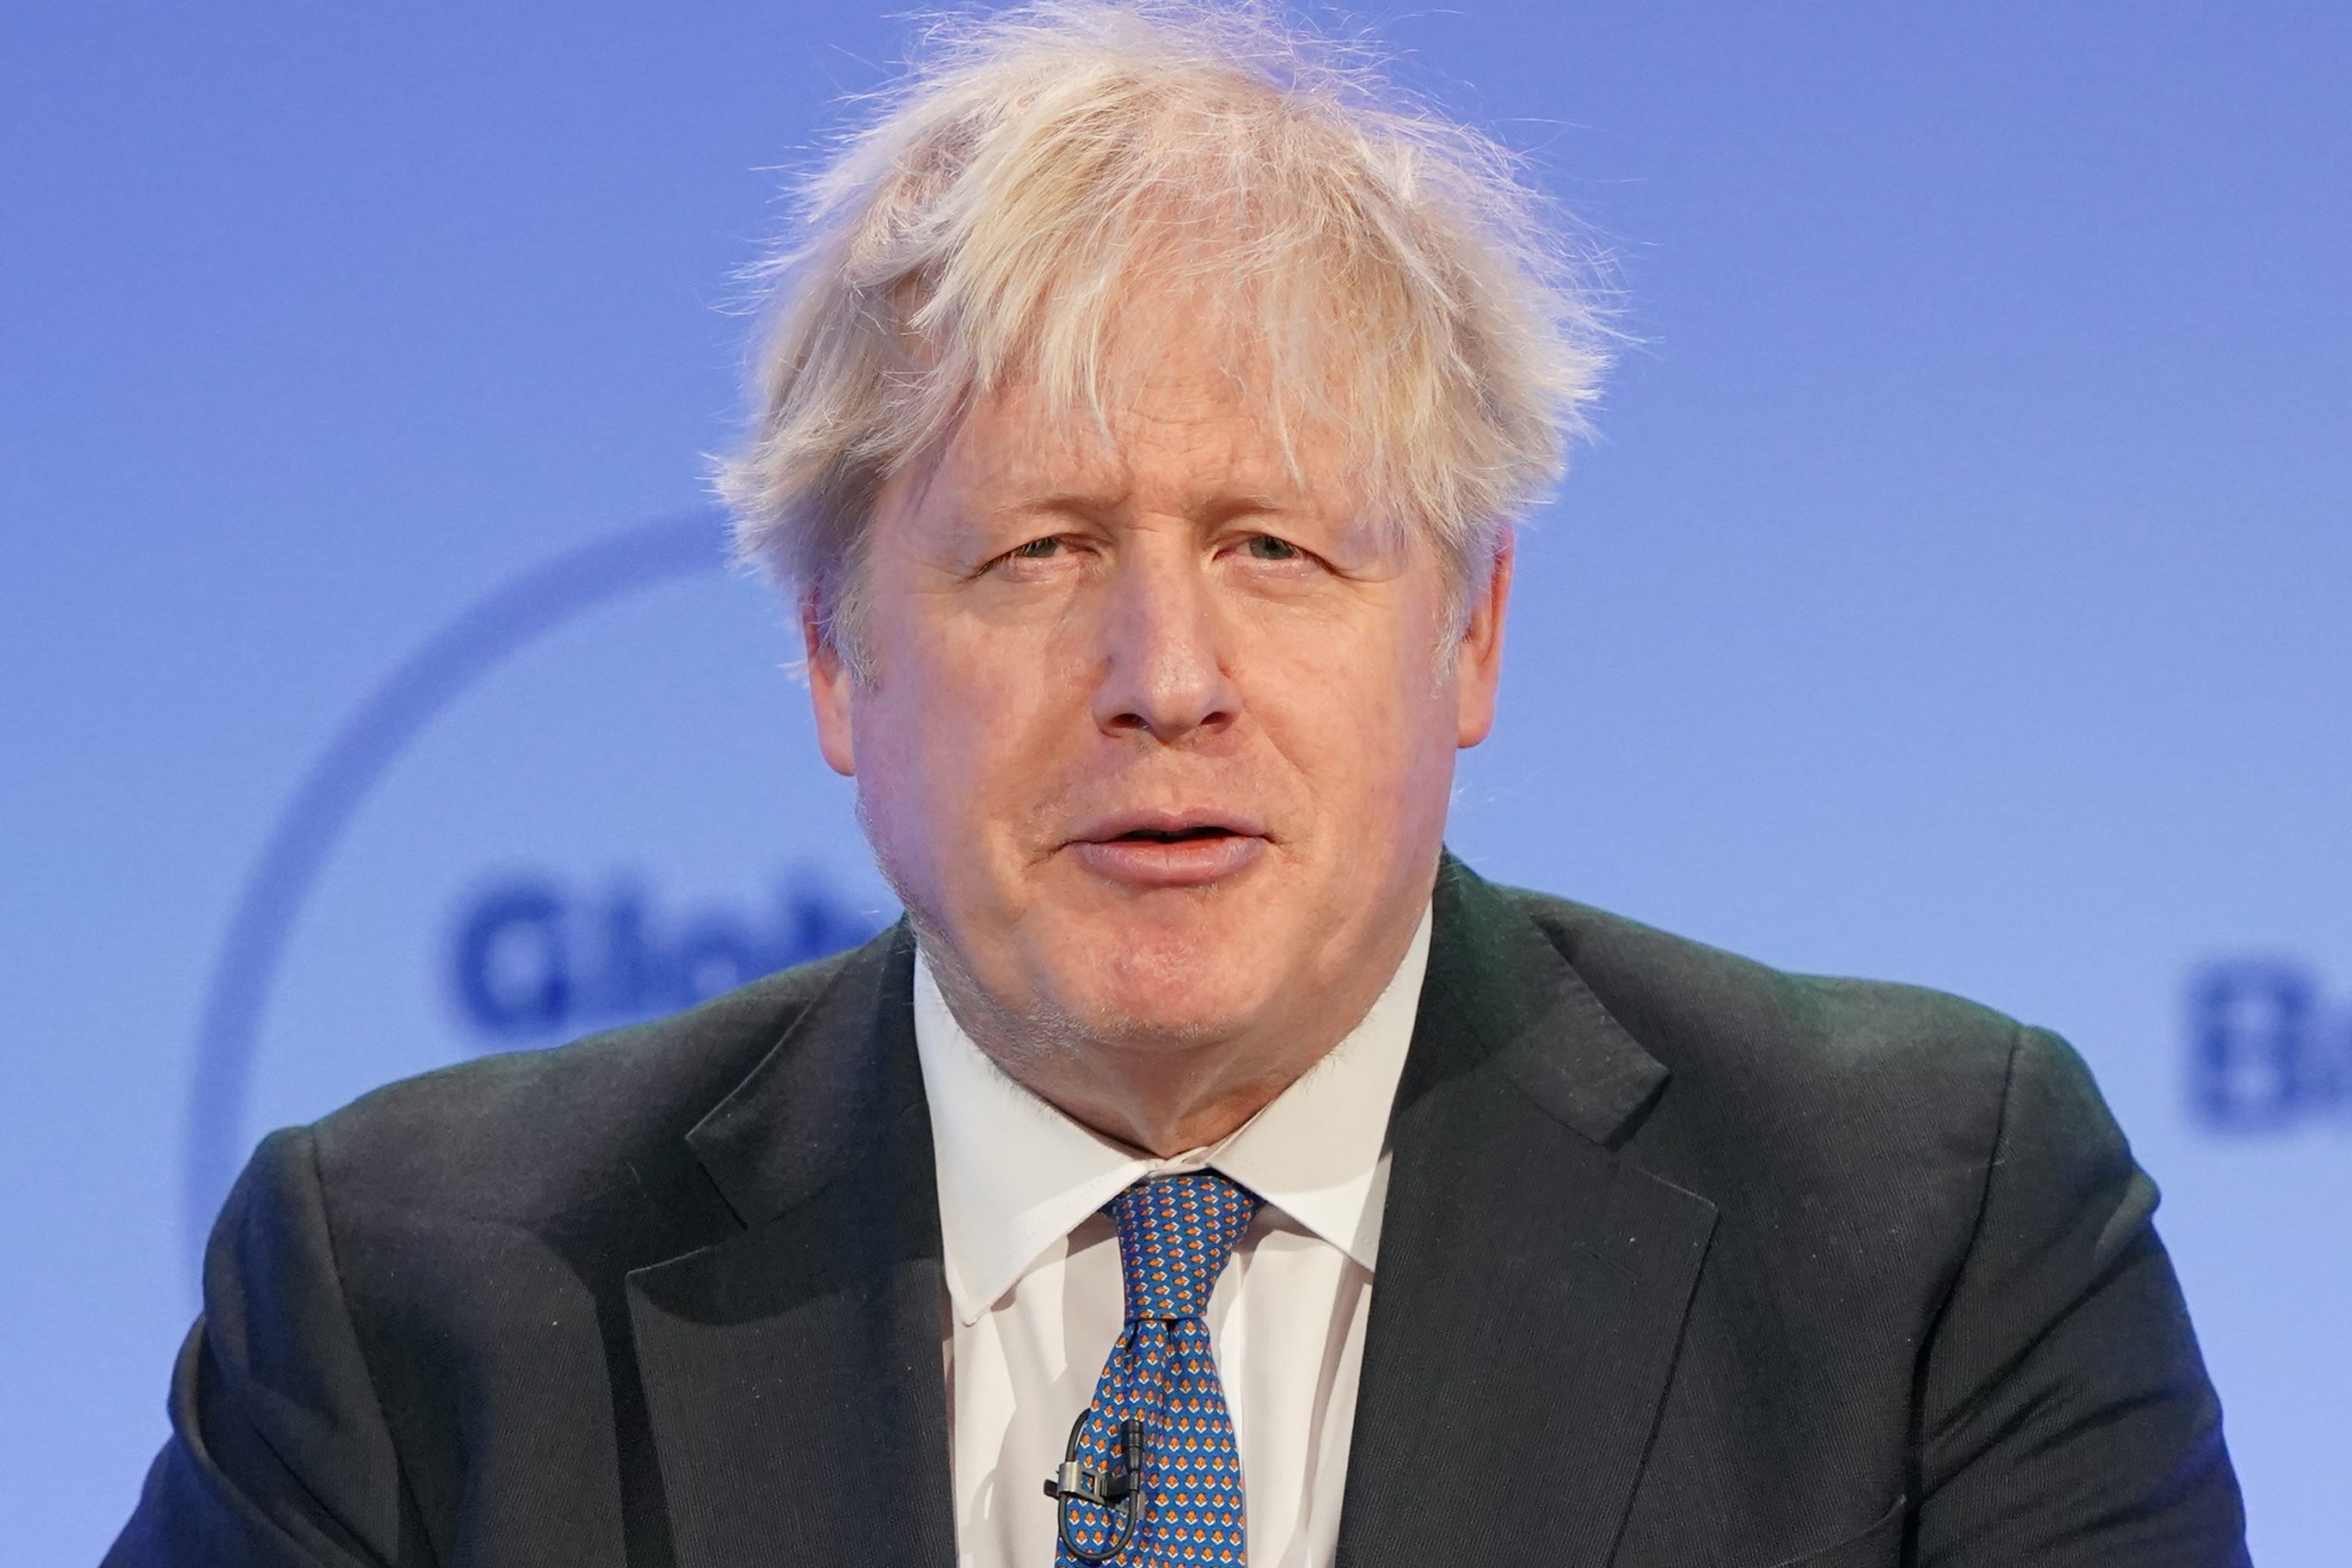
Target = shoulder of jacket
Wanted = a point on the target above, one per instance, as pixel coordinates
(1807, 1106)
(1682, 998)
(526, 1133)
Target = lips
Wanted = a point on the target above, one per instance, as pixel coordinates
(1147, 849)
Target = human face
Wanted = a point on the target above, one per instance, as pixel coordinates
(1157, 736)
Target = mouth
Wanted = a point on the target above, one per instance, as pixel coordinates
(1165, 850)
(1170, 835)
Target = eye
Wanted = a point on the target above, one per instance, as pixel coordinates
(1036, 549)
(1265, 547)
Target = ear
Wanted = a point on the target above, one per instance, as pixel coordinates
(1478, 661)
(829, 688)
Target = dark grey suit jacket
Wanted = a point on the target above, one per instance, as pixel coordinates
(1685, 1262)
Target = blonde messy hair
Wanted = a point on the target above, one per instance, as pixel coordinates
(1038, 167)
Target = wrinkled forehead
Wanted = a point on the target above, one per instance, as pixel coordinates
(1186, 409)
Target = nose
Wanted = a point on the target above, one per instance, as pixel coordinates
(1163, 663)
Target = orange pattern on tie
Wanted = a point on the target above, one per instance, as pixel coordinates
(1175, 1234)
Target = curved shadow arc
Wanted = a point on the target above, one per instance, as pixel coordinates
(481, 637)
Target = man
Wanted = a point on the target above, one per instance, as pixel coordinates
(1208, 1169)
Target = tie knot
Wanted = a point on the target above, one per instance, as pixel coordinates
(1174, 1235)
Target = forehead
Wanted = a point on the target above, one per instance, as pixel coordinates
(1185, 414)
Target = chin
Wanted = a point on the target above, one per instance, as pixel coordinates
(1201, 977)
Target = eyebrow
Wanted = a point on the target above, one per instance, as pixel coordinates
(1095, 507)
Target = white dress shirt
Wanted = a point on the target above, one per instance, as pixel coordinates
(1034, 1293)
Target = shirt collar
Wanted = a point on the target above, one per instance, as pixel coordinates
(1015, 1174)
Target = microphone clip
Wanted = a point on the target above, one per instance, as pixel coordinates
(1120, 1487)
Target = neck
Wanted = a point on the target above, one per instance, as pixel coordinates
(1166, 1093)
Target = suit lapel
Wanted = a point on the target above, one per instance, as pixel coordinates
(1532, 1280)
(1530, 1294)
(792, 1372)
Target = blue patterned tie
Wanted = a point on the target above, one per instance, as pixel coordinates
(1174, 1235)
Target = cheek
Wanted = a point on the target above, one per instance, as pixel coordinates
(891, 794)
(962, 729)
(1361, 706)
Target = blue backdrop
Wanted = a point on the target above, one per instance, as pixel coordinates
(1958, 593)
